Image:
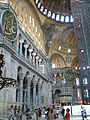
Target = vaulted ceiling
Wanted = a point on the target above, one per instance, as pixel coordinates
(57, 34)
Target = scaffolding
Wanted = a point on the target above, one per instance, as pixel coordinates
(80, 11)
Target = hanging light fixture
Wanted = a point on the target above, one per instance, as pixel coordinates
(5, 82)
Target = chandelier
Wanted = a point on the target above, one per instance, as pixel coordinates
(5, 82)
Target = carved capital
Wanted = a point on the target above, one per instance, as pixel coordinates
(21, 76)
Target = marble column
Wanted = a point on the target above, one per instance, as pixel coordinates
(30, 51)
(42, 92)
(17, 48)
(28, 90)
(21, 42)
(25, 91)
(40, 62)
(18, 94)
(37, 57)
(26, 46)
(34, 59)
(55, 78)
(34, 92)
(21, 76)
(39, 94)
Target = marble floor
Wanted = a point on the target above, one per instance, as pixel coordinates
(60, 118)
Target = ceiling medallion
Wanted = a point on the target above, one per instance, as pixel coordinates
(53, 16)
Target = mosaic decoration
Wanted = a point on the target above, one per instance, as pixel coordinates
(69, 75)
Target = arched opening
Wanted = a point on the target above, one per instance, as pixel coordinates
(18, 88)
(57, 96)
(31, 91)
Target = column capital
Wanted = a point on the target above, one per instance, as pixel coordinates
(40, 82)
(21, 75)
(28, 78)
(30, 50)
(40, 60)
(37, 57)
(34, 82)
(34, 54)
(26, 46)
(21, 41)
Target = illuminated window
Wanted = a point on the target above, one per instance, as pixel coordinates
(36, 28)
(45, 12)
(71, 19)
(33, 22)
(67, 19)
(39, 34)
(26, 15)
(53, 16)
(30, 19)
(53, 65)
(39, 4)
(49, 14)
(57, 17)
(42, 8)
(69, 50)
(62, 18)
(59, 47)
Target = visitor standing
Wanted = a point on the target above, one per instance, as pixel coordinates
(63, 111)
(67, 116)
(82, 112)
(39, 113)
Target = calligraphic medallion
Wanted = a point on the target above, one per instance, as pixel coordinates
(9, 25)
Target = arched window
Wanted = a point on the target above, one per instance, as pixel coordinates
(53, 65)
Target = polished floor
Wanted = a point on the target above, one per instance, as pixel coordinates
(60, 118)
(43, 118)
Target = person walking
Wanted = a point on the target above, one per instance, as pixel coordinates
(82, 112)
(63, 111)
(39, 113)
(67, 116)
(9, 114)
(52, 115)
(12, 112)
(18, 115)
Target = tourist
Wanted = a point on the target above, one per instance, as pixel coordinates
(52, 115)
(63, 111)
(67, 116)
(39, 113)
(82, 112)
(18, 115)
(9, 114)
